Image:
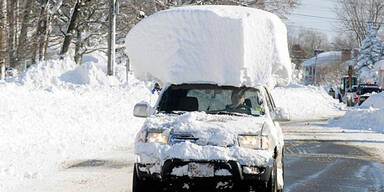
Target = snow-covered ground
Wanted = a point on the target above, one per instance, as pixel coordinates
(58, 111)
(369, 116)
(307, 102)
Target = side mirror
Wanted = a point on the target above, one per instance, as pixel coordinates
(142, 110)
(281, 114)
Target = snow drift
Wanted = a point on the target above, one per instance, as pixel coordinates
(227, 45)
(369, 116)
(59, 111)
(307, 102)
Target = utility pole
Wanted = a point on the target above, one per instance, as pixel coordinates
(113, 10)
(317, 52)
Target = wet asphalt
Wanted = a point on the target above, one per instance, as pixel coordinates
(324, 166)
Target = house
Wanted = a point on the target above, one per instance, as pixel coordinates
(327, 67)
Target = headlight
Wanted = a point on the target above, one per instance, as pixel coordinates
(254, 141)
(156, 137)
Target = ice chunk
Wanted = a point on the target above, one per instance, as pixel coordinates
(227, 45)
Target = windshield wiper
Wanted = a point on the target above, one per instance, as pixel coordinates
(174, 112)
(226, 113)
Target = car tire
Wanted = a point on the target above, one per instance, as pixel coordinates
(282, 163)
(272, 182)
(140, 185)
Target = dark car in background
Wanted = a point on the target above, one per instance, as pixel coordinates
(364, 91)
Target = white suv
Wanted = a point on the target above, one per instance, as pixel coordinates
(220, 137)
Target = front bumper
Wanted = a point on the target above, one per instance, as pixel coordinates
(237, 172)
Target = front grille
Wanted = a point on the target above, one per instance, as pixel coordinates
(182, 137)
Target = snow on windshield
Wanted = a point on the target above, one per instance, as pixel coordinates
(226, 45)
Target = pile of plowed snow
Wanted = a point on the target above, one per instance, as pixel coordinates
(225, 45)
(58, 111)
(307, 102)
(369, 116)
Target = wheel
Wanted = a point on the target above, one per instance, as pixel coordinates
(140, 185)
(282, 163)
(272, 182)
(282, 166)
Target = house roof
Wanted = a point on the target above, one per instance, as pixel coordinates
(326, 58)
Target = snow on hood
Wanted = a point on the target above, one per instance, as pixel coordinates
(217, 135)
(248, 43)
(218, 130)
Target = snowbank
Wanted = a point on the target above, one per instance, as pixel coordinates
(58, 111)
(228, 45)
(65, 74)
(369, 116)
(375, 101)
(307, 102)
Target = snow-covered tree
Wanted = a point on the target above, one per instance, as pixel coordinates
(370, 53)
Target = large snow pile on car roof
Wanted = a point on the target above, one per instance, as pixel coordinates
(369, 116)
(227, 45)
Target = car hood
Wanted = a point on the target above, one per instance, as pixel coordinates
(205, 129)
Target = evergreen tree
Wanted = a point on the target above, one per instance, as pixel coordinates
(370, 50)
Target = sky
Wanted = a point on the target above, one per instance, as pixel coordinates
(308, 13)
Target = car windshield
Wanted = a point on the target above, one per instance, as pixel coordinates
(212, 99)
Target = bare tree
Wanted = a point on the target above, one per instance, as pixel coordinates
(12, 31)
(20, 53)
(354, 15)
(71, 29)
(344, 41)
(3, 34)
(309, 40)
(44, 4)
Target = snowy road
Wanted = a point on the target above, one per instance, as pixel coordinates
(322, 158)
(318, 158)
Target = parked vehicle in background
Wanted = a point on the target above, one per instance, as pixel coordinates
(348, 90)
(364, 91)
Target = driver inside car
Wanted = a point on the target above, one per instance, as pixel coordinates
(241, 104)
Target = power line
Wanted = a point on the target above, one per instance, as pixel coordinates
(332, 18)
(314, 28)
